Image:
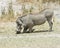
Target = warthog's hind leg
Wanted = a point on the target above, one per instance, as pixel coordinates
(50, 24)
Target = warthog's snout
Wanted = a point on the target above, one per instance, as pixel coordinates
(20, 30)
(17, 32)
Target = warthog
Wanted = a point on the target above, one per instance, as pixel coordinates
(26, 22)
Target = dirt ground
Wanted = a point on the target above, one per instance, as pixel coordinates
(40, 38)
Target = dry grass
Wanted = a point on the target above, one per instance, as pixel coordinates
(30, 43)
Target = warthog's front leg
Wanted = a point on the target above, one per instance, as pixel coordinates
(25, 29)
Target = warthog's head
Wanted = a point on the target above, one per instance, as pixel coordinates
(20, 26)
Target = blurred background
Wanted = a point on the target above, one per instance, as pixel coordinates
(11, 9)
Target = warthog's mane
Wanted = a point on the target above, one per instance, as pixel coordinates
(22, 16)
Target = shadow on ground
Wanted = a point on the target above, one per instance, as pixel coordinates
(41, 31)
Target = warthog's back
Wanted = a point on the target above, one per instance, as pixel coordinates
(48, 12)
(38, 19)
